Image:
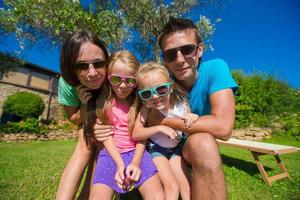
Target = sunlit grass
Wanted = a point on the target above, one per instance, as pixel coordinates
(31, 170)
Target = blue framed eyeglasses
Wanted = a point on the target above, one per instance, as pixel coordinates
(160, 90)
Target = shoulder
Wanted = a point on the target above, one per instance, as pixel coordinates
(213, 64)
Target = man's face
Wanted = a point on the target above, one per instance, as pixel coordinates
(184, 65)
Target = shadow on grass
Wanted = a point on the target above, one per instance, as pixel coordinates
(246, 166)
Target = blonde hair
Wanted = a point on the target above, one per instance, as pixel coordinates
(178, 95)
(104, 103)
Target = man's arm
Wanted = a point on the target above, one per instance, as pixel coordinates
(219, 123)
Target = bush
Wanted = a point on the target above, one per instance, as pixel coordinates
(24, 104)
(261, 98)
(30, 125)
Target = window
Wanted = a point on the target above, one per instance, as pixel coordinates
(20, 76)
(40, 80)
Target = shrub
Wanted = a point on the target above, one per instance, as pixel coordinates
(24, 104)
(30, 125)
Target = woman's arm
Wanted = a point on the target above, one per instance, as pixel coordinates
(75, 114)
(73, 172)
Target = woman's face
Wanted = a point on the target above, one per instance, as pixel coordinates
(92, 70)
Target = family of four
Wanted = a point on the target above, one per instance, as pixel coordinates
(146, 125)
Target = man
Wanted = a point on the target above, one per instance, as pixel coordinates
(210, 87)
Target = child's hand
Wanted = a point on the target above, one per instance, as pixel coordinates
(119, 176)
(102, 132)
(189, 119)
(84, 93)
(169, 132)
(133, 172)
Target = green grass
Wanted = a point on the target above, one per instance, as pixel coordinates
(31, 170)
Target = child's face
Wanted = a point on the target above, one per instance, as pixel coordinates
(122, 80)
(158, 82)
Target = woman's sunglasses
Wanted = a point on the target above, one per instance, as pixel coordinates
(160, 90)
(86, 65)
(115, 79)
(188, 50)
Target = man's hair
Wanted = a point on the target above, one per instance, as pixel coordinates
(178, 25)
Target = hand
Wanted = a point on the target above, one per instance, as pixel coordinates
(102, 132)
(190, 119)
(84, 93)
(119, 176)
(169, 132)
(133, 172)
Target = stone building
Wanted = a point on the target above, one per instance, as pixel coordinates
(31, 78)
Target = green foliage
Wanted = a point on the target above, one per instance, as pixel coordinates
(58, 19)
(149, 17)
(24, 104)
(262, 99)
(30, 125)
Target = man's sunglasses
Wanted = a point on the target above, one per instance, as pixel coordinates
(86, 65)
(115, 79)
(188, 50)
(160, 90)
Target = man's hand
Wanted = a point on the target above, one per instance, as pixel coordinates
(102, 132)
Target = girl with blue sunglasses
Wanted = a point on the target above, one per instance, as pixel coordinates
(162, 97)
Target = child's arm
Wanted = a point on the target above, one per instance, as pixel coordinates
(116, 156)
(133, 169)
(189, 118)
(140, 132)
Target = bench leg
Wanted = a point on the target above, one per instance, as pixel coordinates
(261, 167)
(268, 180)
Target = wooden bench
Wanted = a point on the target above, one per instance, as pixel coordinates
(261, 148)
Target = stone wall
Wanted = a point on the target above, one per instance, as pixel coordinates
(253, 133)
(56, 111)
(54, 135)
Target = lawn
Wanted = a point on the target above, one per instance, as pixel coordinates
(31, 170)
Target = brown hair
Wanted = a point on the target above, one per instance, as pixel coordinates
(178, 25)
(70, 52)
(178, 95)
(68, 57)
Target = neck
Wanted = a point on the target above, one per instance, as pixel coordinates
(189, 83)
(122, 101)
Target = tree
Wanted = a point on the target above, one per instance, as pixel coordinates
(57, 19)
(111, 20)
(148, 18)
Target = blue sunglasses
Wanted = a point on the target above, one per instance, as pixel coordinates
(160, 90)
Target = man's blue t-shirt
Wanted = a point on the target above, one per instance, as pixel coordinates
(213, 75)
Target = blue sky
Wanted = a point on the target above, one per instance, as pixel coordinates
(253, 35)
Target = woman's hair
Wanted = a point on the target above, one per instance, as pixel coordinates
(69, 55)
(70, 52)
(150, 68)
(104, 102)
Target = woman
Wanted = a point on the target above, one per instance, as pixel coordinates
(84, 60)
